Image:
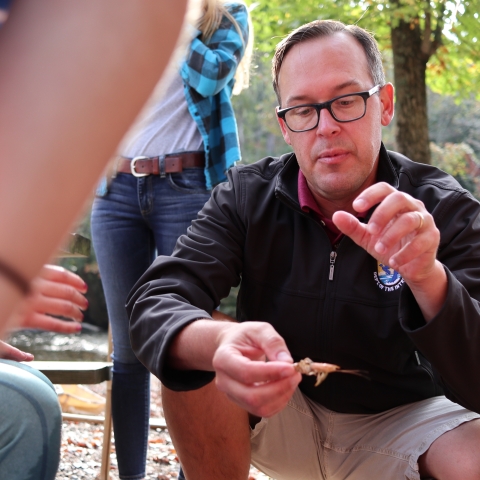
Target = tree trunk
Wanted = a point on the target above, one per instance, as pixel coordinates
(411, 97)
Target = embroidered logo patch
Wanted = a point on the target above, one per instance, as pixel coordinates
(387, 278)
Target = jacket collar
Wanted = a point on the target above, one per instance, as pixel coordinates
(286, 188)
(386, 171)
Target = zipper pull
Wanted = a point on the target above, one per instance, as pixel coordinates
(418, 358)
(333, 257)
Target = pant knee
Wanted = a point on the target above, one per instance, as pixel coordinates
(30, 424)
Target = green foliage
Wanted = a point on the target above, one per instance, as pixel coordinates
(258, 130)
(459, 160)
(449, 29)
(451, 122)
(229, 304)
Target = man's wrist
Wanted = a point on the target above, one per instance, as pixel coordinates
(431, 292)
(195, 345)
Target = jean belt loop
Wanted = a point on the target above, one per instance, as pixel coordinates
(115, 166)
(161, 166)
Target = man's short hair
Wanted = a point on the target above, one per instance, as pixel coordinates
(324, 28)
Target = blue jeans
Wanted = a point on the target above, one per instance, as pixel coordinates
(137, 218)
(30, 423)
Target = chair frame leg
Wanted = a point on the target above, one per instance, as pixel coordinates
(107, 435)
(107, 424)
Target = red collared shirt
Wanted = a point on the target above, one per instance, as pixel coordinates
(308, 204)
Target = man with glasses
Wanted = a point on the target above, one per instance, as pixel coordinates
(348, 254)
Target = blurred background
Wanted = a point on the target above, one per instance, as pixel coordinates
(432, 56)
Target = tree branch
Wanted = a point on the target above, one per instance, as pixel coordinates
(432, 39)
(427, 32)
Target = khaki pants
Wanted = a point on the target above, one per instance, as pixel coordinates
(308, 442)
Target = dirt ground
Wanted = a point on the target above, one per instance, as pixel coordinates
(81, 448)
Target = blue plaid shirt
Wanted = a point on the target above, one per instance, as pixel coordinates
(208, 73)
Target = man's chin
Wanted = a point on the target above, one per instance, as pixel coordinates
(338, 185)
(334, 185)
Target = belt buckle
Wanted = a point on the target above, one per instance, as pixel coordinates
(132, 167)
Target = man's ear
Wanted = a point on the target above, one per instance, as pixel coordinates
(283, 128)
(386, 97)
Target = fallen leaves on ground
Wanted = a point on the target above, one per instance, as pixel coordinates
(81, 449)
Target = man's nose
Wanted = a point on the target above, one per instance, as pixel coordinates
(327, 125)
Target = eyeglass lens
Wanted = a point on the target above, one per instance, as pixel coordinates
(344, 109)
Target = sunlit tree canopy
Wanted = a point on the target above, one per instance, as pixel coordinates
(450, 32)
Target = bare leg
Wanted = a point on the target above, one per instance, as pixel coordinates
(454, 455)
(210, 433)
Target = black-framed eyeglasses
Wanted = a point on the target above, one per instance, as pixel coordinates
(345, 108)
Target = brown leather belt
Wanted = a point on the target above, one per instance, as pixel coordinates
(161, 165)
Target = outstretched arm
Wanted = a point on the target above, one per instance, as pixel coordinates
(74, 77)
(238, 353)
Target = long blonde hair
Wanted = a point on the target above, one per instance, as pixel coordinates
(213, 11)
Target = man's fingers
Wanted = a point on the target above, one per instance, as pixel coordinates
(261, 388)
(391, 203)
(242, 369)
(418, 246)
(265, 337)
(258, 337)
(372, 196)
(350, 226)
(254, 367)
(275, 348)
(394, 206)
(399, 230)
(406, 226)
(262, 400)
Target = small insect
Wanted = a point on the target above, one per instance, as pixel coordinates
(321, 370)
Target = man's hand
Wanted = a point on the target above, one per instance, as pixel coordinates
(252, 363)
(402, 234)
(56, 291)
(254, 368)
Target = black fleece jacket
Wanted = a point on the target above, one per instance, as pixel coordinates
(341, 307)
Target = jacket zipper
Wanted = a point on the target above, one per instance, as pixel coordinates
(333, 257)
(325, 347)
(328, 308)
